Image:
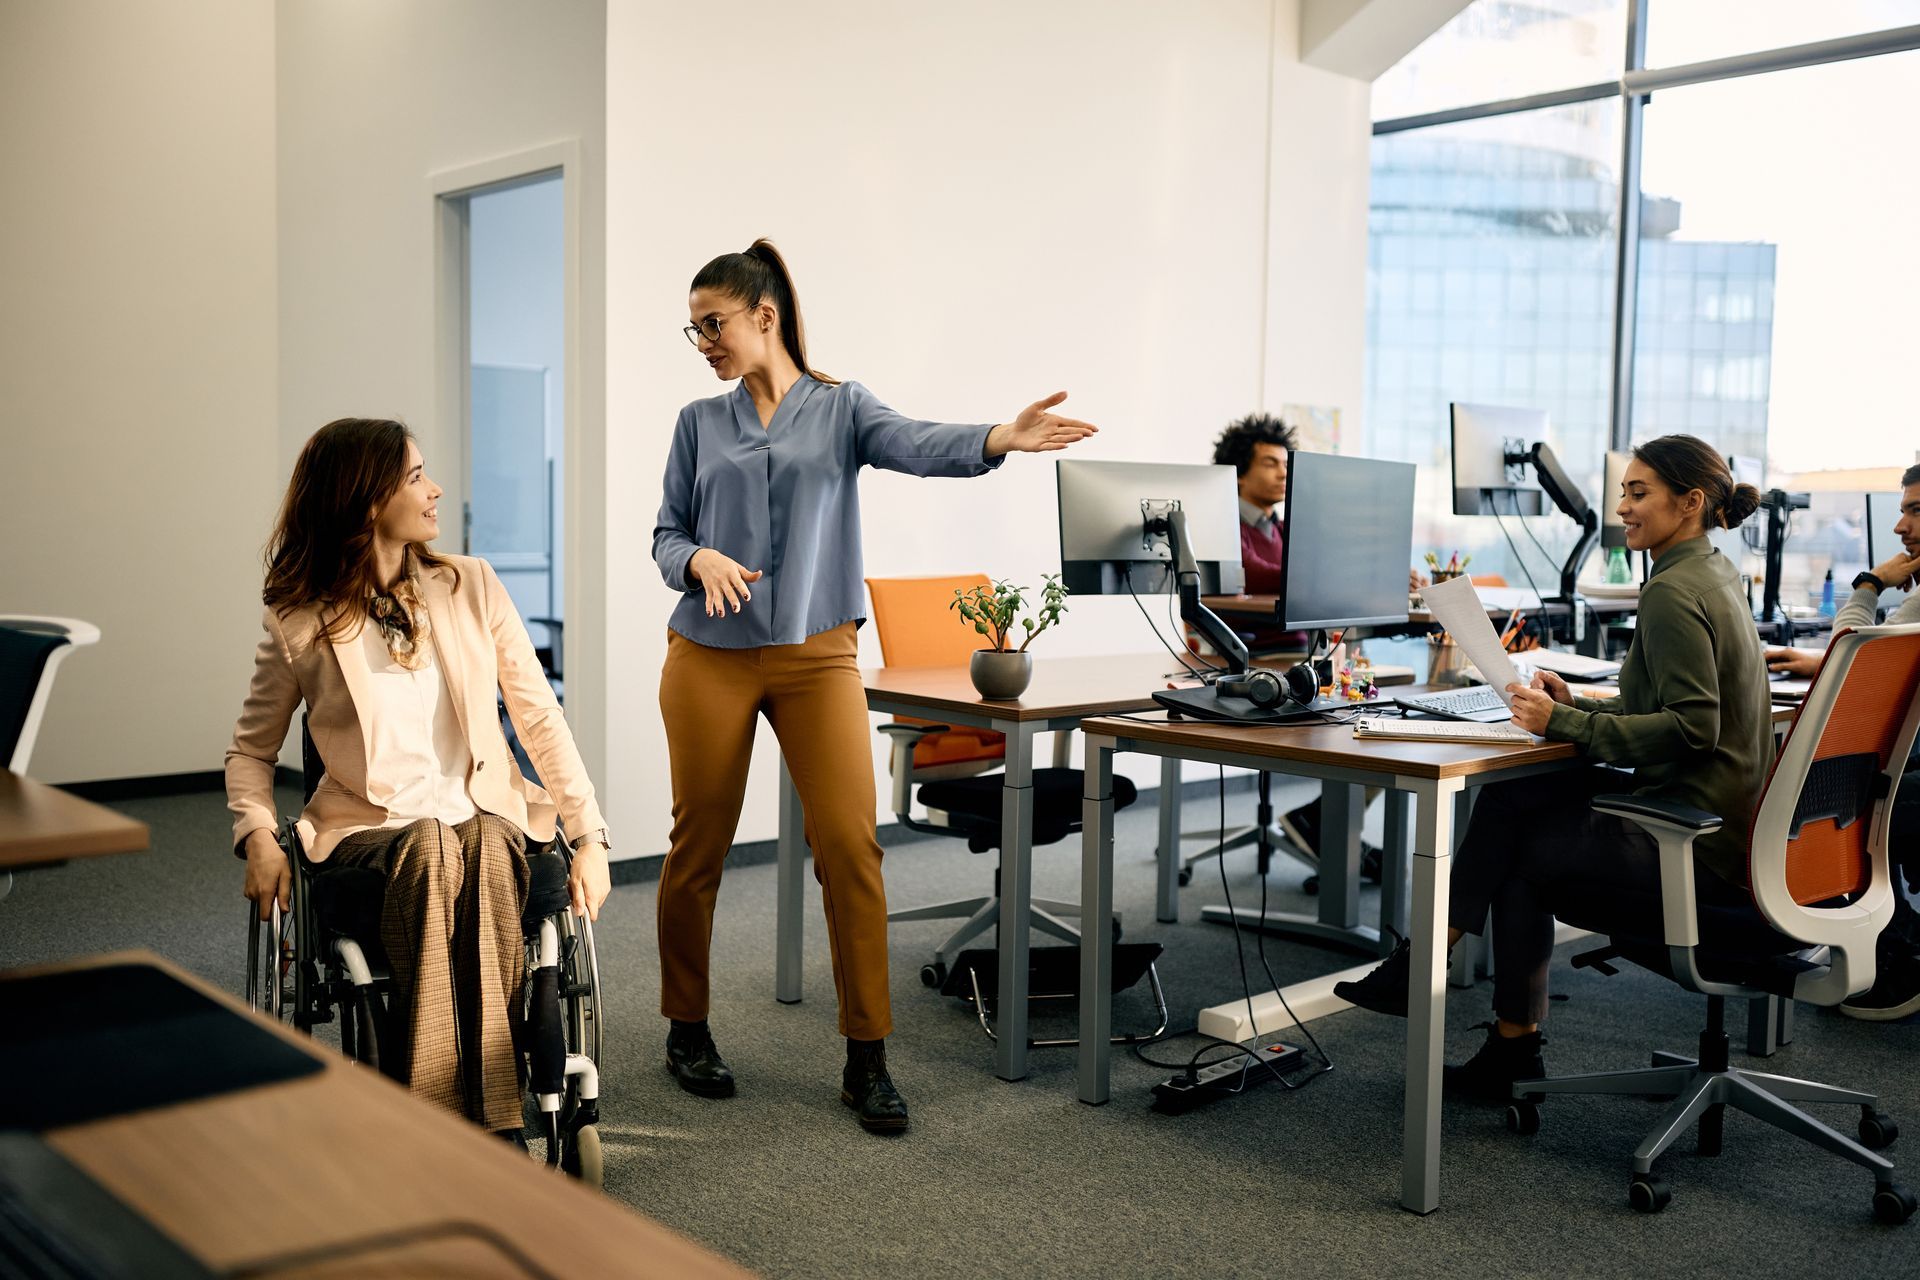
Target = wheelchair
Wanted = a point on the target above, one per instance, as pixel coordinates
(321, 960)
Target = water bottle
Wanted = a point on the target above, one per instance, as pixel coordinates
(1826, 596)
(1617, 570)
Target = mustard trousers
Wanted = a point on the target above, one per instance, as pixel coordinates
(812, 695)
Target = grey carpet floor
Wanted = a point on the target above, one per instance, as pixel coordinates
(1020, 1179)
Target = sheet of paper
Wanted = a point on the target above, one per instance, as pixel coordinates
(1458, 607)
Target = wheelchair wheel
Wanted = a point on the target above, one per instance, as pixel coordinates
(272, 965)
(582, 1159)
(580, 987)
(364, 1020)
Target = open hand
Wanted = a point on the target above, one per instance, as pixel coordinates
(724, 580)
(588, 882)
(1037, 431)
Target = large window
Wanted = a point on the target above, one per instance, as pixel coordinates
(1772, 276)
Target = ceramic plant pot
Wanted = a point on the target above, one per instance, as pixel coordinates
(1001, 674)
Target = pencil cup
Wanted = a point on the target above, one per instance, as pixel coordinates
(1448, 665)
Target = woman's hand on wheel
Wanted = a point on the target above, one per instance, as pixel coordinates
(269, 878)
(1037, 431)
(588, 883)
(724, 580)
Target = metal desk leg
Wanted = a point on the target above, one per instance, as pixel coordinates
(790, 895)
(1427, 996)
(1394, 869)
(1467, 963)
(1166, 907)
(1337, 923)
(1096, 901)
(1016, 900)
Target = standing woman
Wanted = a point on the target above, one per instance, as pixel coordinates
(399, 655)
(1693, 720)
(760, 528)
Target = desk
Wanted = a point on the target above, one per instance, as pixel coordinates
(342, 1155)
(1437, 775)
(43, 826)
(1064, 691)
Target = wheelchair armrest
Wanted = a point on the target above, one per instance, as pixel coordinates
(1674, 828)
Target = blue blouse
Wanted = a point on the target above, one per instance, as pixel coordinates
(783, 499)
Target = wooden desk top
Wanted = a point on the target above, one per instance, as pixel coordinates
(345, 1155)
(1267, 608)
(41, 825)
(1061, 687)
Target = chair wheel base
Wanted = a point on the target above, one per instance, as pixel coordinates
(1649, 1194)
(1893, 1204)
(1523, 1118)
(933, 975)
(1186, 876)
(1877, 1129)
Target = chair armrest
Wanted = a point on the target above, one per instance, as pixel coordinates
(1673, 827)
(912, 733)
(1654, 814)
(900, 761)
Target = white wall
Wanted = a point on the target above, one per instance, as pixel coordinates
(137, 364)
(1154, 207)
(374, 98)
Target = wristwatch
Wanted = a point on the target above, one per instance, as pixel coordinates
(599, 836)
(1868, 580)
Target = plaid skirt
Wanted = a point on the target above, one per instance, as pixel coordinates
(450, 923)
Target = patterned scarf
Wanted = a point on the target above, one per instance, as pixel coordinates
(402, 620)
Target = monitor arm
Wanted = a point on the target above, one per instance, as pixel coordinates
(1566, 495)
(1780, 507)
(1172, 525)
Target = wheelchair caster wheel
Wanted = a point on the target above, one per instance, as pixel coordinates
(581, 1159)
(1186, 876)
(1877, 1129)
(1893, 1204)
(1523, 1118)
(1648, 1194)
(933, 975)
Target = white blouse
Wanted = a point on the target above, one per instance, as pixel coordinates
(413, 734)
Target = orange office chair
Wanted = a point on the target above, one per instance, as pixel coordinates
(1817, 860)
(950, 764)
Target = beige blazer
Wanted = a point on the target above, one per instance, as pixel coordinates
(481, 645)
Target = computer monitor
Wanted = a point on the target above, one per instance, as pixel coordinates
(1612, 532)
(1490, 471)
(1105, 548)
(1349, 540)
(1883, 512)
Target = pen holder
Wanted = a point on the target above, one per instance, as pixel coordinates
(1447, 665)
(1443, 575)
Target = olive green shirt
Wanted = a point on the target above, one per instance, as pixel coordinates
(1694, 718)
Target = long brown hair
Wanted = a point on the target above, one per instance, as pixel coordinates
(321, 549)
(761, 273)
(1688, 462)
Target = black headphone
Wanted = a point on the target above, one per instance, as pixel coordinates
(1265, 687)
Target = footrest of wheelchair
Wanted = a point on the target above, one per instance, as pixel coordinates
(1052, 972)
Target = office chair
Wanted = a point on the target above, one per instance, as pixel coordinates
(1817, 859)
(950, 764)
(31, 650)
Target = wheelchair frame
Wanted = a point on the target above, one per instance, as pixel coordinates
(287, 981)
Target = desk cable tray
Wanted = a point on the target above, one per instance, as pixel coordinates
(1053, 973)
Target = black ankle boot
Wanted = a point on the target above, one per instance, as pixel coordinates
(868, 1089)
(1489, 1075)
(1384, 990)
(695, 1063)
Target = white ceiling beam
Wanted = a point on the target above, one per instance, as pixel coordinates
(1362, 38)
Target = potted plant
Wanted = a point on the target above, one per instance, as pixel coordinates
(998, 671)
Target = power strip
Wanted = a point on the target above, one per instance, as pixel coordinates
(1179, 1095)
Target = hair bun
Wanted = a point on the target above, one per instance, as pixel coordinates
(1741, 503)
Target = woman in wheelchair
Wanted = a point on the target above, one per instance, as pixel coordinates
(1693, 721)
(399, 655)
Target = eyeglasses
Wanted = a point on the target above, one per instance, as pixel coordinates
(709, 328)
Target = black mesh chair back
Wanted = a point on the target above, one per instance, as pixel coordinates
(23, 665)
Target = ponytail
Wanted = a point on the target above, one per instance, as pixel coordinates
(760, 274)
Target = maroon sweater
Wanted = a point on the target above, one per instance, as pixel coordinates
(1260, 560)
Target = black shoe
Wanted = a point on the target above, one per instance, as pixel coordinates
(1302, 828)
(867, 1088)
(1489, 1075)
(1369, 869)
(1895, 992)
(695, 1063)
(1385, 989)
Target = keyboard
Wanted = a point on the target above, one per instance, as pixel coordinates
(1479, 702)
(1441, 731)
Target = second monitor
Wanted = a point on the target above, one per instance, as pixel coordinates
(1348, 542)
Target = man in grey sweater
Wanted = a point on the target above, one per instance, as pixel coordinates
(1896, 988)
